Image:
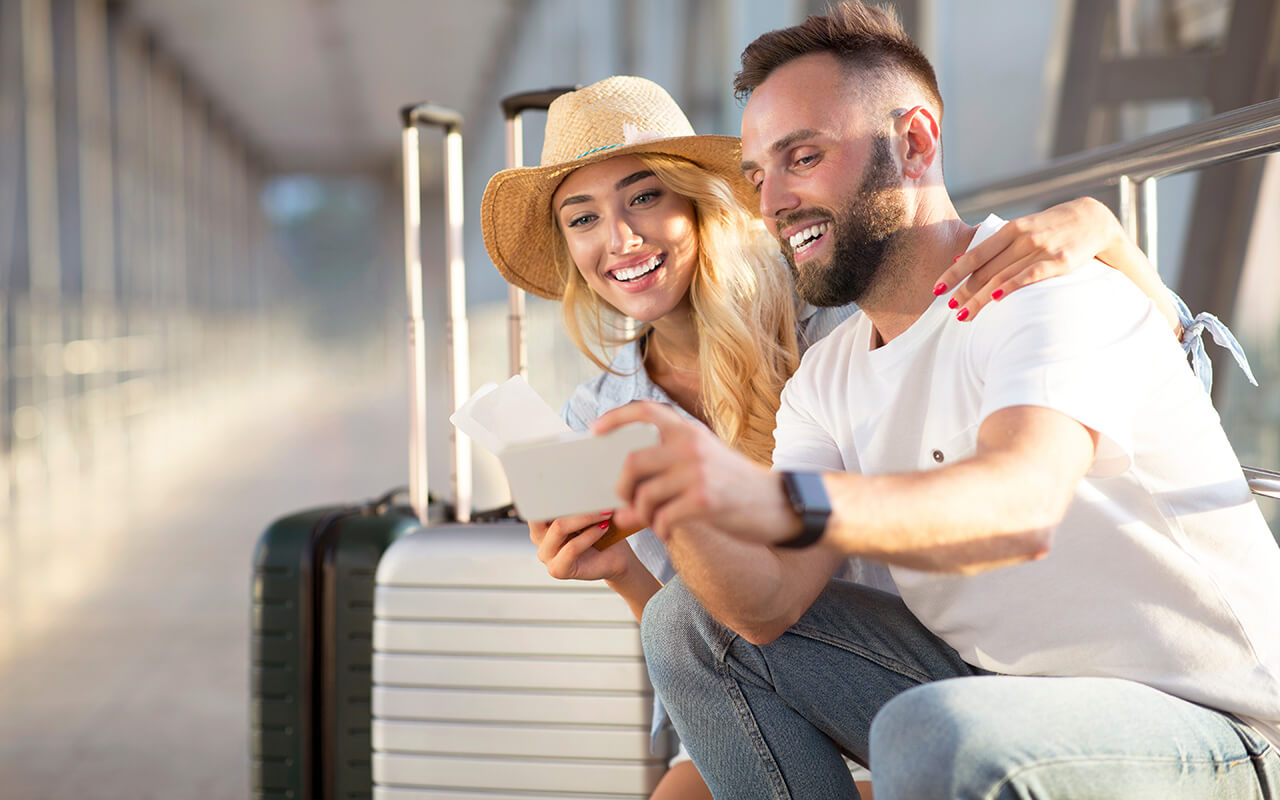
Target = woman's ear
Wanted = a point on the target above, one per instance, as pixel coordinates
(918, 129)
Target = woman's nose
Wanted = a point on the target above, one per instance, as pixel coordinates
(622, 237)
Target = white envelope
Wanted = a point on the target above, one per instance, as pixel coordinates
(552, 471)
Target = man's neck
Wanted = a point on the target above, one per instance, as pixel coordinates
(922, 253)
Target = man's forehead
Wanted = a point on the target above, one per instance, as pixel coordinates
(806, 98)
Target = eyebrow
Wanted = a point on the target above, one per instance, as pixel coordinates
(634, 177)
(782, 144)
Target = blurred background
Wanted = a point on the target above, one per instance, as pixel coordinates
(202, 304)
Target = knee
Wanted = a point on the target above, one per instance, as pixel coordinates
(669, 633)
(936, 740)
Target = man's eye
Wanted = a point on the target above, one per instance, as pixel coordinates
(804, 161)
(581, 219)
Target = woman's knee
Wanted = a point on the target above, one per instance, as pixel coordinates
(667, 630)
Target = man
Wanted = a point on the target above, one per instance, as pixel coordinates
(1058, 506)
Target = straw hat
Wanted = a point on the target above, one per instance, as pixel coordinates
(617, 116)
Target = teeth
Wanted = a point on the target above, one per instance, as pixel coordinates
(631, 273)
(811, 232)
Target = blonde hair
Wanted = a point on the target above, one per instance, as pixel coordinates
(743, 308)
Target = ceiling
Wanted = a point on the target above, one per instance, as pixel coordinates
(316, 84)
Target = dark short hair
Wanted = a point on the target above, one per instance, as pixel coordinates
(859, 35)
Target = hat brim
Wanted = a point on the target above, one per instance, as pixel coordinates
(515, 212)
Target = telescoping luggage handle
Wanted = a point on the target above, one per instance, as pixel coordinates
(459, 369)
(512, 107)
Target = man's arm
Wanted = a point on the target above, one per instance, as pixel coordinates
(720, 512)
(995, 508)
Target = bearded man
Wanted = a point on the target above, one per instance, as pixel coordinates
(1087, 586)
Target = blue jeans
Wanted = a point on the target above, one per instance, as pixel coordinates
(859, 674)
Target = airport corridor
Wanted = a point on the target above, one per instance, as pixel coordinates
(124, 604)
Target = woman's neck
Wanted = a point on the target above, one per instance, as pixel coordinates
(672, 344)
(671, 360)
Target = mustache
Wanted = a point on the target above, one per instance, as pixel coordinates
(808, 215)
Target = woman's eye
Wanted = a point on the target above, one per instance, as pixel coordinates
(646, 198)
(580, 220)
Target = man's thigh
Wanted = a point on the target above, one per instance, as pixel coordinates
(854, 650)
(999, 737)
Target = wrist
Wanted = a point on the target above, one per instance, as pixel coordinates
(806, 494)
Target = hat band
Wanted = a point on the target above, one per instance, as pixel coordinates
(586, 153)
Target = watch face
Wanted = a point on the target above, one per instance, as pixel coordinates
(810, 493)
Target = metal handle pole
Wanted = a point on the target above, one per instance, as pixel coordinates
(417, 350)
(455, 273)
(512, 107)
(517, 341)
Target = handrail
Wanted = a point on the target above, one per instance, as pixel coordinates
(1263, 482)
(1245, 132)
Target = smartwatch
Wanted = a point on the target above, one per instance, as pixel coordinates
(808, 498)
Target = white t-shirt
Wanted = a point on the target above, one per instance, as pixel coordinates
(1163, 570)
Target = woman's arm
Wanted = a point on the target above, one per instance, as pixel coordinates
(1051, 243)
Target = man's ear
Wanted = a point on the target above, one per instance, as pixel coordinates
(918, 130)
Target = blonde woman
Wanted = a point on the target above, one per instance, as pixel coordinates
(633, 217)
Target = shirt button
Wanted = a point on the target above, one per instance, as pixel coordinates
(937, 456)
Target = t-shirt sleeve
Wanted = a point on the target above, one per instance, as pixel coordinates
(800, 440)
(1085, 345)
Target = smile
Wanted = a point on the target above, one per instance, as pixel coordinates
(801, 240)
(637, 271)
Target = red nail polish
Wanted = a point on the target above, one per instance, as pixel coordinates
(939, 289)
(603, 526)
(997, 294)
(606, 513)
(957, 258)
(963, 315)
(952, 303)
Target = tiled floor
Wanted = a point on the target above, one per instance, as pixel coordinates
(124, 607)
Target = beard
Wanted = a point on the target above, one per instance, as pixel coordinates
(865, 232)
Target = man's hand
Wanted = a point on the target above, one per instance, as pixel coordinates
(691, 476)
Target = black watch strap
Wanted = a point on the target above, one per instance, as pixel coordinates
(808, 498)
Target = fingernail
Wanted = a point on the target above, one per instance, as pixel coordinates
(957, 258)
(603, 525)
(997, 294)
(963, 315)
(606, 513)
(952, 303)
(939, 289)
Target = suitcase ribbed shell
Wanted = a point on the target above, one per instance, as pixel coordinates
(490, 678)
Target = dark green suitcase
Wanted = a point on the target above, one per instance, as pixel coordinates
(312, 628)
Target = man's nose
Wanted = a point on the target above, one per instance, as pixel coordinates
(776, 199)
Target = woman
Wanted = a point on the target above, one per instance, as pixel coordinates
(648, 235)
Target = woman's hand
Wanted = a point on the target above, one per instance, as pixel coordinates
(565, 547)
(1045, 245)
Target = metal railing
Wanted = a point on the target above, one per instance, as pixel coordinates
(1133, 167)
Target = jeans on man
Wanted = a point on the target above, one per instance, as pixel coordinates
(772, 721)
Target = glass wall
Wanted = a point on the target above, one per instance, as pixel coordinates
(136, 273)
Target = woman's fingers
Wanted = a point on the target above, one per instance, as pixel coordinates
(986, 258)
(565, 563)
(563, 530)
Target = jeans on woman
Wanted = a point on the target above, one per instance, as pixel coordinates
(859, 674)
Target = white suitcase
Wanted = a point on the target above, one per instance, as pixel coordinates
(492, 680)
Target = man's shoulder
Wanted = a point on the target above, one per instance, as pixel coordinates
(1093, 295)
